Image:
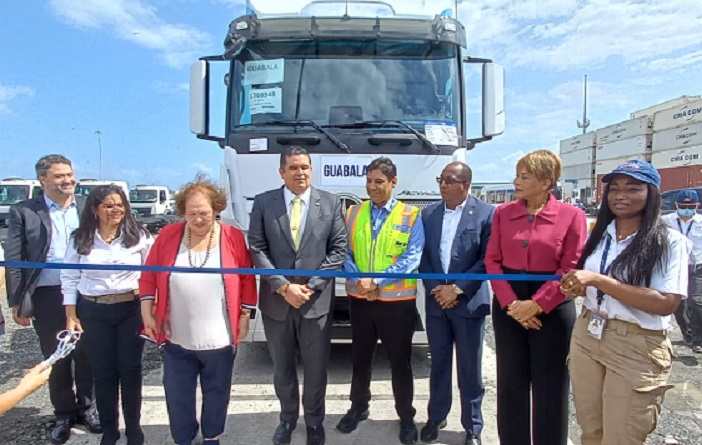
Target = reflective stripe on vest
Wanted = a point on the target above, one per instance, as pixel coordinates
(379, 254)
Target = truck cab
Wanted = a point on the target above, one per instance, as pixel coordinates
(151, 200)
(349, 82)
(14, 190)
(85, 186)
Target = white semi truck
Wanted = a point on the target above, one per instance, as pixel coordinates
(151, 200)
(14, 190)
(85, 186)
(348, 88)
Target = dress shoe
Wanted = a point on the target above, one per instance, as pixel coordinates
(350, 420)
(408, 432)
(109, 439)
(315, 435)
(472, 439)
(283, 434)
(91, 420)
(135, 436)
(430, 432)
(61, 432)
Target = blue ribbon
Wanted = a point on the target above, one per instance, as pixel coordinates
(286, 272)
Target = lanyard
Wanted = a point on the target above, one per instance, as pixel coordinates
(687, 234)
(604, 269)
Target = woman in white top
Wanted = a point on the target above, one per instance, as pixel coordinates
(633, 275)
(199, 318)
(104, 304)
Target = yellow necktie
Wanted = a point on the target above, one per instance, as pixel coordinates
(296, 220)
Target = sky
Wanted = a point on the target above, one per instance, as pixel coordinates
(121, 67)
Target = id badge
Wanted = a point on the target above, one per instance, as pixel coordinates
(598, 321)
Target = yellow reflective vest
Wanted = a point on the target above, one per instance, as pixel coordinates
(377, 255)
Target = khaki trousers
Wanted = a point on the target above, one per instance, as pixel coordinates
(618, 381)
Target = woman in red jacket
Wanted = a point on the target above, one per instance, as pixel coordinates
(533, 320)
(198, 317)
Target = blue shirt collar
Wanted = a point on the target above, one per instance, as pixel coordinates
(51, 204)
(388, 205)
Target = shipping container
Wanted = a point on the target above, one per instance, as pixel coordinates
(577, 142)
(639, 145)
(604, 166)
(578, 171)
(685, 136)
(677, 157)
(688, 114)
(624, 130)
(650, 111)
(577, 157)
(687, 176)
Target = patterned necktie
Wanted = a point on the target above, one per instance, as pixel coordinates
(296, 220)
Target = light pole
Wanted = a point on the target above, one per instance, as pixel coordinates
(99, 133)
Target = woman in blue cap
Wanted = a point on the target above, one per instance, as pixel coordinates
(633, 274)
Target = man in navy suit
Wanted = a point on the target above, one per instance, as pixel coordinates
(457, 230)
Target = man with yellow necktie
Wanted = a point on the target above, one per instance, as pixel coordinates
(298, 227)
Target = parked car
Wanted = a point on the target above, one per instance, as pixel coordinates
(668, 200)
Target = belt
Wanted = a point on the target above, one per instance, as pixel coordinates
(624, 327)
(113, 298)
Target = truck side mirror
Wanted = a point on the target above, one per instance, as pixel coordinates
(200, 101)
(493, 99)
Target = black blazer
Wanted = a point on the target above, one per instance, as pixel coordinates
(28, 239)
(322, 247)
(467, 256)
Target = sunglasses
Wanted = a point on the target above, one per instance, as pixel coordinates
(449, 181)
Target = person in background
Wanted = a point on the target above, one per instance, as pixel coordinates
(385, 235)
(633, 274)
(688, 222)
(39, 229)
(2, 279)
(298, 227)
(105, 305)
(457, 230)
(199, 318)
(33, 380)
(533, 320)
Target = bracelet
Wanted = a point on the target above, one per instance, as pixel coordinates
(509, 306)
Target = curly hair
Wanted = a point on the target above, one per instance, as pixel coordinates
(215, 194)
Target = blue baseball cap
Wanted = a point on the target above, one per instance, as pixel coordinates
(688, 194)
(640, 170)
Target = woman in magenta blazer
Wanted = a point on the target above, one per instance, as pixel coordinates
(533, 320)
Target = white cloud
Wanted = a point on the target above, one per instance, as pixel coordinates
(200, 167)
(569, 33)
(139, 23)
(9, 93)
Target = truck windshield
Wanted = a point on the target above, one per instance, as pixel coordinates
(143, 196)
(12, 194)
(344, 82)
(84, 189)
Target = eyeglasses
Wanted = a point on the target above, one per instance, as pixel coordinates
(687, 206)
(449, 181)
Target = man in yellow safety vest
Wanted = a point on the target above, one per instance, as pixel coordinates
(385, 235)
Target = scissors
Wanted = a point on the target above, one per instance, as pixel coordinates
(67, 341)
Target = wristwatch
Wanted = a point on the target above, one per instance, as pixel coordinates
(457, 290)
(283, 289)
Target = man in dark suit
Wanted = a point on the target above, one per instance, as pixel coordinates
(39, 232)
(457, 230)
(298, 227)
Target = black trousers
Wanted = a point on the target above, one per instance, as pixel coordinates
(689, 312)
(532, 377)
(312, 336)
(115, 348)
(393, 323)
(49, 319)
